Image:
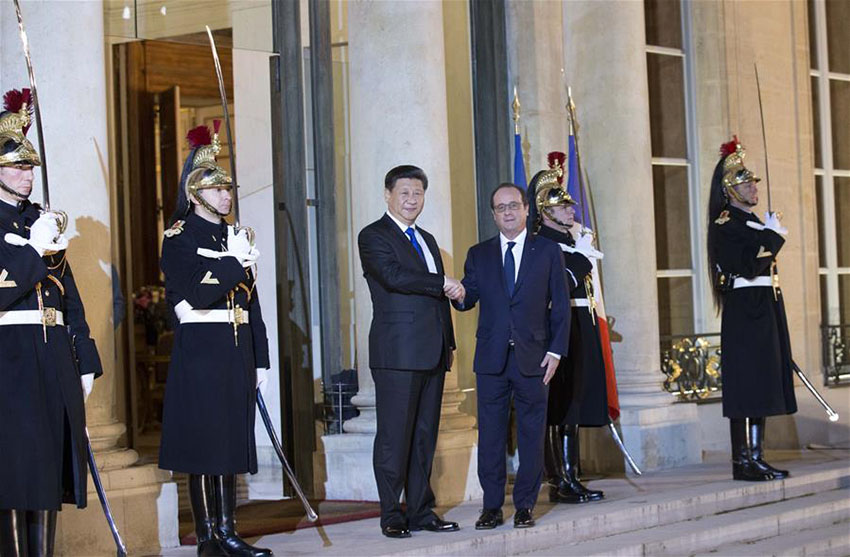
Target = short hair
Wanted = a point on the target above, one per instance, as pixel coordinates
(405, 171)
(506, 185)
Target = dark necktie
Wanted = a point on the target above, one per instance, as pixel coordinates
(412, 235)
(510, 268)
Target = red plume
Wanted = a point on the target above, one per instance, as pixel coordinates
(199, 136)
(556, 157)
(14, 99)
(216, 125)
(728, 148)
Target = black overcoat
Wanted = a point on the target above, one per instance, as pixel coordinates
(210, 394)
(755, 346)
(577, 392)
(42, 415)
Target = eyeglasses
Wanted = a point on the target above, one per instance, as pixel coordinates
(513, 206)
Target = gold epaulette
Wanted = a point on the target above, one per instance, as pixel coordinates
(723, 218)
(176, 228)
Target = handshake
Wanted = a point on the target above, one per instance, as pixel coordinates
(454, 289)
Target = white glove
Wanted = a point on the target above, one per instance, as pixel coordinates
(87, 381)
(240, 247)
(584, 245)
(262, 380)
(771, 222)
(45, 236)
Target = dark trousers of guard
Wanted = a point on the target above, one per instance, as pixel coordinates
(27, 533)
(561, 464)
(213, 501)
(748, 464)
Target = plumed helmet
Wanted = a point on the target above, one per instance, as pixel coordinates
(15, 121)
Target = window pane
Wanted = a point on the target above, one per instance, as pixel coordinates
(672, 231)
(816, 121)
(667, 106)
(675, 306)
(824, 306)
(663, 20)
(837, 36)
(844, 298)
(842, 220)
(813, 52)
(839, 95)
(821, 222)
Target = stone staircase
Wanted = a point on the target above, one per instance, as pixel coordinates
(694, 510)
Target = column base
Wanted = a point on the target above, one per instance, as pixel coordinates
(347, 462)
(662, 436)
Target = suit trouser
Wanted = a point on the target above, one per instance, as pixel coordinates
(494, 401)
(408, 406)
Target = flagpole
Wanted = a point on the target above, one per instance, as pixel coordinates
(588, 213)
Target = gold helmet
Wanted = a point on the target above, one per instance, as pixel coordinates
(549, 190)
(734, 171)
(201, 170)
(15, 148)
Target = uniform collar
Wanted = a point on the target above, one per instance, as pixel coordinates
(205, 225)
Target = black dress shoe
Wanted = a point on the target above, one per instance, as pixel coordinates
(395, 531)
(523, 518)
(436, 524)
(489, 519)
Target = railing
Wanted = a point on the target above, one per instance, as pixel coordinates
(836, 359)
(337, 405)
(692, 366)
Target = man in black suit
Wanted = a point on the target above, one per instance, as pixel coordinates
(523, 330)
(411, 344)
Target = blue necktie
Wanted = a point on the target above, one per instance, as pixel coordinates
(412, 235)
(510, 268)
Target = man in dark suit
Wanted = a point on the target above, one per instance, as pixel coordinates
(523, 330)
(411, 344)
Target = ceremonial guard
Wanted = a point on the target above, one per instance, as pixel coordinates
(220, 354)
(577, 393)
(47, 357)
(756, 360)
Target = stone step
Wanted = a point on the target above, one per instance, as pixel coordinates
(829, 540)
(707, 534)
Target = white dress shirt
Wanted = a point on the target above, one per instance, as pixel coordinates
(429, 257)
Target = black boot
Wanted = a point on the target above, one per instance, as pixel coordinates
(591, 494)
(225, 489)
(743, 466)
(13, 533)
(568, 490)
(41, 531)
(202, 497)
(757, 442)
(553, 455)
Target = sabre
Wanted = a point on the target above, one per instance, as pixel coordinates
(632, 464)
(121, 549)
(45, 192)
(833, 415)
(763, 138)
(264, 413)
(231, 152)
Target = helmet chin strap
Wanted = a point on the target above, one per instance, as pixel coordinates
(557, 221)
(208, 206)
(17, 195)
(733, 193)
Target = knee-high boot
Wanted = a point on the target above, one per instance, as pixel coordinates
(202, 497)
(41, 531)
(225, 489)
(571, 442)
(743, 466)
(553, 455)
(13, 533)
(568, 489)
(757, 426)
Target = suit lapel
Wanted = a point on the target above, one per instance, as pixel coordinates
(528, 254)
(395, 232)
(495, 249)
(431, 243)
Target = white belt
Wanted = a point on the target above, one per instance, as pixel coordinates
(741, 282)
(50, 318)
(580, 302)
(187, 314)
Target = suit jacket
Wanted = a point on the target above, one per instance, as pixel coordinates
(411, 317)
(525, 317)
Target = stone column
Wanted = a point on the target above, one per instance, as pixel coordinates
(535, 68)
(608, 75)
(67, 44)
(398, 116)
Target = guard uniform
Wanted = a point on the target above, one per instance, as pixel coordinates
(756, 361)
(219, 343)
(45, 347)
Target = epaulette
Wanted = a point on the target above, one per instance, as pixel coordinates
(723, 218)
(176, 228)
